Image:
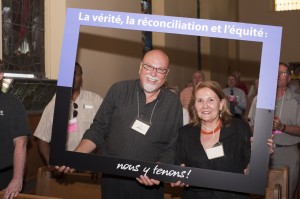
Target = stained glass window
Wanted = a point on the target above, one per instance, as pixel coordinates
(34, 94)
(146, 35)
(23, 36)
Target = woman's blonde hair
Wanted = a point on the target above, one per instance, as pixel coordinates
(225, 114)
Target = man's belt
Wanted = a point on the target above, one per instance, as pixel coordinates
(282, 146)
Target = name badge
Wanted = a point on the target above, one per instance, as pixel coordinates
(215, 152)
(276, 132)
(140, 126)
(88, 106)
(72, 125)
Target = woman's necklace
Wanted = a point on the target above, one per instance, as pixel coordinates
(217, 128)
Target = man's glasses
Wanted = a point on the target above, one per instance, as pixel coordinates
(75, 112)
(159, 70)
(284, 73)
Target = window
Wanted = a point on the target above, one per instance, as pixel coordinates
(287, 5)
(23, 36)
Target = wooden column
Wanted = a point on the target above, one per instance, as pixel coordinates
(33, 161)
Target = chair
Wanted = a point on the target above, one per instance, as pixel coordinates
(28, 196)
(280, 177)
(273, 193)
(69, 186)
(277, 184)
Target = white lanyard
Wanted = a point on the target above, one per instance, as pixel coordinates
(139, 107)
(280, 109)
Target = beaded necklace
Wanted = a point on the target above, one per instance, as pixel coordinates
(218, 127)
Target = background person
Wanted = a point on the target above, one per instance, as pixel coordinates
(14, 135)
(186, 93)
(236, 97)
(251, 99)
(83, 107)
(239, 83)
(186, 115)
(286, 128)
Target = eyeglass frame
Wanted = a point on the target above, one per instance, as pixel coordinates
(284, 73)
(158, 70)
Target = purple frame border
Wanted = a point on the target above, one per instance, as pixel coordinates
(269, 36)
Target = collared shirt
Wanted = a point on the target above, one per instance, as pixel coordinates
(186, 116)
(13, 123)
(112, 130)
(185, 96)
(287, 109)
(252, 110)
(88, 105)
(240, 97)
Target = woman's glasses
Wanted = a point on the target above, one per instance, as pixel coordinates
(75, 112)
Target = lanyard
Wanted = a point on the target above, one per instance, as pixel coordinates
(138, 100)
(280, 109)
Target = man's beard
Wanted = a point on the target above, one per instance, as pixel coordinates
(149, 88)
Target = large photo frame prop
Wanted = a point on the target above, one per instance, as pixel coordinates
(269, 36)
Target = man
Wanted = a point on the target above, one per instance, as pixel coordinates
(186, 94)
(239, 83)
(286, 128)
(251, 99)
(186, 115)
(114, 129)
(236, 97)
(13, 142)
(83, 107)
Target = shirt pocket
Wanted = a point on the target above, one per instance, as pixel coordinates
(87, 115)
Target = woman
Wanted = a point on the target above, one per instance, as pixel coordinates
(213, 140)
